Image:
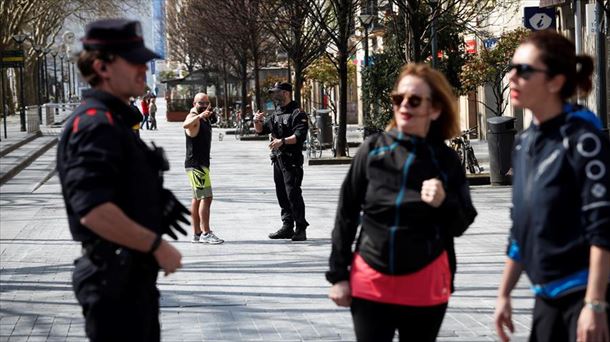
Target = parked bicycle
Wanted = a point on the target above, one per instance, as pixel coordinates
(312, 144)
(244, 128)
(333, 147)
(461, 145)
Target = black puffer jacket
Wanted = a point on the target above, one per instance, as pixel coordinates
(400, 234)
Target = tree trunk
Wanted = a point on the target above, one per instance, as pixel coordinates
(298, 83)
(244, 86)
(341, 134)
(257, 86)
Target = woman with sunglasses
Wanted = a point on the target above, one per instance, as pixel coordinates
(561, 202)
(408, 192)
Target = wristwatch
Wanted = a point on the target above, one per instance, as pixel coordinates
(597, 306)
(283, 141)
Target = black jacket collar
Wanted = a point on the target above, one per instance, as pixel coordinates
(116, 106)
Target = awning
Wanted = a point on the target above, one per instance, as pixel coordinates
(551, 3)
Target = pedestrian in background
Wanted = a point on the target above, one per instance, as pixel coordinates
(407, 190)
(561, 204)
(152, 108)
(102, 168)
(145, 111)
(288, 129)
(132, 104)
(198, 131)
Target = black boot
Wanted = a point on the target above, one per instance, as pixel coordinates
(282, 233)
(299, 235)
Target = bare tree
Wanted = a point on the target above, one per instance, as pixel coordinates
(419, 15)
(43, 20)
(336, 18)
(301, 37)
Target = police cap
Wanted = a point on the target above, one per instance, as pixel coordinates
(281, 86)
(122, 37)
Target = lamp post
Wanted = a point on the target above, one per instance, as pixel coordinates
(62, 55)
(434, 47)
(366, 18)
(19, 39)
(69, 64)
(74, 78)
(45, 52)
(54, 53)
(38, 50)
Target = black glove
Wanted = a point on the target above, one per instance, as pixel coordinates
(173, 213)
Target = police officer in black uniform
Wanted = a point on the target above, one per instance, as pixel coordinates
(288, 128)
(102, 165)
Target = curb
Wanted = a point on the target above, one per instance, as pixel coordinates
(20, 143)
(478, 179)
(27, 161)
(254, 138)
(330, 161)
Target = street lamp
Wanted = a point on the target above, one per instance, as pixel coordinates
(62, 55)
(19, 39)
(434, 47)
(45, 52)
(366, 18)
(54, 53)
(38, 50)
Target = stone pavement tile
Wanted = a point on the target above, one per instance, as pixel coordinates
(77, 329)
(18, 338)
(9, 319)
(59, 330)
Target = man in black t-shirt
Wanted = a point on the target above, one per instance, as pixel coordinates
(198, 131)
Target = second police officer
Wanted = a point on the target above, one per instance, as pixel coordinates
(288, 127)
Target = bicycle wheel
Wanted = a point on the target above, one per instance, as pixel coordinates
(238, 131)
(461, 152)
(333, 146)
(471, 162)
(475, 162)
(315, 148)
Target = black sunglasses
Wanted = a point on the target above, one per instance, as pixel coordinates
(524, 70)
(203, 103)
(414, 101)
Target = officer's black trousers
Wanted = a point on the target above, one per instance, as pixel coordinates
(131, 314)
(288, 177)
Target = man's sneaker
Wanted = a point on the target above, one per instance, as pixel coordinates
(299, 235)
(211, 239)
(282, 233)
(196, 238)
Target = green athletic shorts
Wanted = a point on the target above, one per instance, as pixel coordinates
(200, 182)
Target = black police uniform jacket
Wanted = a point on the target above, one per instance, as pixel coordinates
(284, 122)
(561, 202)
(100, 159)
(400, 233)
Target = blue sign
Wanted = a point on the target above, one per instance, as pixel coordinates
(538, 19)
(489, 43)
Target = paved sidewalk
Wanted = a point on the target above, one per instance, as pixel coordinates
(248, 289)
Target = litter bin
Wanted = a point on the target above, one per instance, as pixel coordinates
(324, 125)
(500, 137)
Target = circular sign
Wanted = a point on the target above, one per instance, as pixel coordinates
(541, 21)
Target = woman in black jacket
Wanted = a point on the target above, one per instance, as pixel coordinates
(408, 192)
(561, 202)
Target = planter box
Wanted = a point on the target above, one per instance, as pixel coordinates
(176, 116)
